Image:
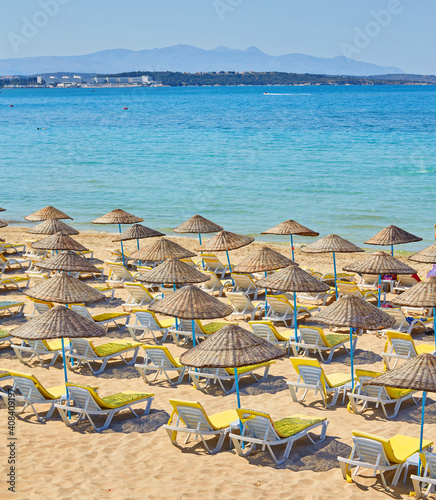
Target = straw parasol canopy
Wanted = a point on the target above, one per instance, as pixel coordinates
(64, 289)
(173, 272)
(137, 232)
(418, 373)
(52, 226)
(379, 263)
(355, 312)
(190, 302)
(293, 279)
(198, 224)
(58, 322)
(161, 250)
(226, 240)
(331, 243)
(264, 259)
(392, 235)
(3, 223)
(232, 346)
(291, 227)
(58, 241)
(427, 256)
(423, 294)
(117, 216)
(67, 261)
(47, 213)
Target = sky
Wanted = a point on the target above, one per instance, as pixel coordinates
(397, 33)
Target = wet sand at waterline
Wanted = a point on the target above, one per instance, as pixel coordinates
(134, 458)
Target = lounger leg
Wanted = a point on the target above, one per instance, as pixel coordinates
(397, 475)
(417, 487)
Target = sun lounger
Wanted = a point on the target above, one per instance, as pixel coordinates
(348, 288)
(380, 455)
(222, 375)
(35, 255)
(280, 309)
(9, 263)
(404, 282)
(38, 348)
(139, 295)
(103, 318)
(244, 283)
(268, 331)
(84, 351)
(5, 336)
(183, 332)
(243, 306)
(12, 282)
(212, 263)
(428, 461)
(405, 324)
(313, 338)
(10, 248)
(311, 377)
(116, 256)
(319, 298)
(147, 322)
(87, 403)
(191, 418)
(119, 274)
(214, 284)
(380, 396)
(5, 376)
(39, 307)
(259, 430)
(158, 359)
(401, 346)
(11, 307)
(37, 278)
(28, 390)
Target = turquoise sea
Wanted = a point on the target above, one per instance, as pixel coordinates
(345, 160)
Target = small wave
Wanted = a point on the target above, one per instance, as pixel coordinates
(274, 93)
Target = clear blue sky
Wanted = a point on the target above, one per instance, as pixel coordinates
(405, 38)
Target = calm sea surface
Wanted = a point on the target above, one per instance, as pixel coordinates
(345, 160)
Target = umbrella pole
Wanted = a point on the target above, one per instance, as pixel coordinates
(64, 358)
(201, 251)
(137, 244)
(392, 250)
(230, 266)
(292, 246)
(352, 358)
(238, 398)
(379, 289)
(122, 249)
(295, 318)
(424, 397)
(193, 333)
(334, 269)
(177, 323)
(266, 301)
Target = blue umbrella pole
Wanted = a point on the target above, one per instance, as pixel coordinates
(424, 397)
(295, 317)
(352, 359)
(193, 333)
(238, 398)
(379, 289)
(137, 244)
(64, 358)
(199, 239)
(266, 301)
(177, 322)
(292, 246)
(122, 248)
(334, 269)
(230, 266)
(392, 250)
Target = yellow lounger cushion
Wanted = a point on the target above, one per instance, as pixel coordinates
(49, 394)
(285, 299)
(336, 338)
(4, 334)
(217, 421)
(106, 316)
(393, 392)
(115, 400)
(328, 381)
(279, 335)
(113, 348)
(4, 373)
(398, 448)
(244, 369)
(214, 326)
(102, 288)
(53, 345)
(6, 304)
(14, 279)
(337, 379)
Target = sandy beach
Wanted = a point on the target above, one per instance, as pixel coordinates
(134, 458)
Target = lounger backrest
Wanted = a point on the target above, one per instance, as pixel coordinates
(2, 258)
(36, 345)
(27, 387)
(279, 305)
(263, 330)
(311, 336)
(243, 283)
(82, 347)
(37, 278)
(348, 288)
(406, 280)
(369, 451)
(429, 462)
(403, 347)
(158, 357)
(42, 307)
(119, 272)
(368, 279)
(261, 428)
(239, 301)
(398, 315)
(186, 326)
(212, 262)
(82, 310)
(82, 398)
(138, 293)
(193, 417)
(372, 391)
(310, 375)
(145, 318)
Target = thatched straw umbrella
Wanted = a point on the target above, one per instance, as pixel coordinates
(290, 227)
(47, 213)
(3, 223)
(427, 256)
(198, 225)
(379, 263)
(52, 226)
(332, 244)
(293, 279)
(137, 232)
(422, 294)
(225, 241)
(161, 250)
(58, 241)
(263, 260)
(69, 262)
(392, 235)
(59, 322)
(231, 347)
(191, 303)
(419, 374)
(354, 312)
(119, 217)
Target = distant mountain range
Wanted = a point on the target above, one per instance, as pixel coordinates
(190, 59)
